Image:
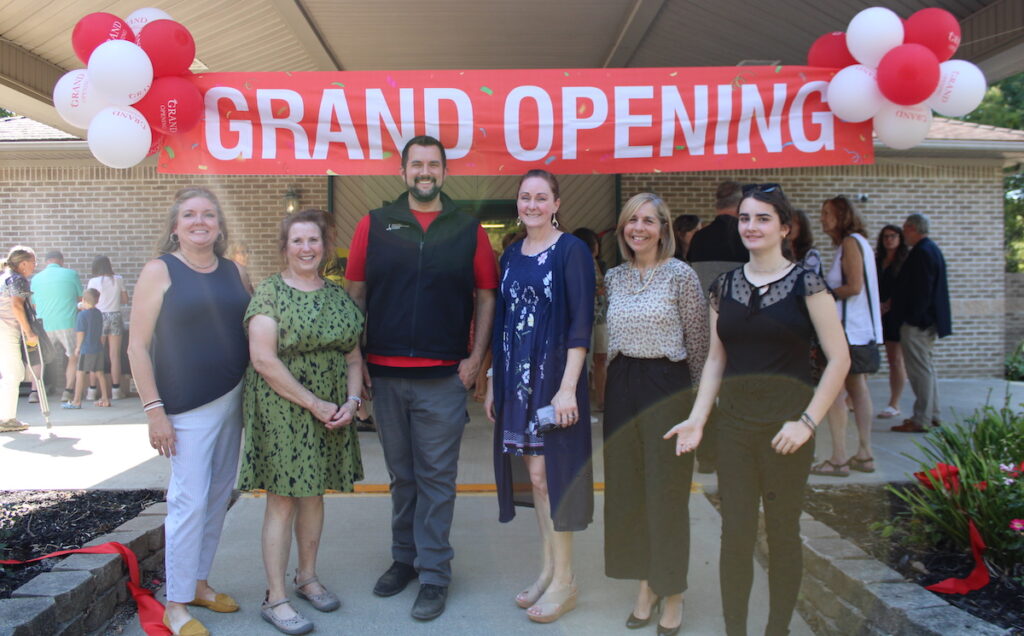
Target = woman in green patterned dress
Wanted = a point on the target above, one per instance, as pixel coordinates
(301, 394)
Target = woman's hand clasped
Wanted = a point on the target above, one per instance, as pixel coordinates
(687, 434)
(566, 411)
(790, 438)
(344, 416)
(324, 411)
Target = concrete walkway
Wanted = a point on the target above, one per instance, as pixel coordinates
(108, 448)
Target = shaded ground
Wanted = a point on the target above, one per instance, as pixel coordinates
(1001, 602)
(37, 522)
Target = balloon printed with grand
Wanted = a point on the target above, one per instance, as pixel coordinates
(897, 72)
(133, 90)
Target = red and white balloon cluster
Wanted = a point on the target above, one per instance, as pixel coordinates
(133, 90)
(897, 72)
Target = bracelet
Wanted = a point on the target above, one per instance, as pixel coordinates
(157, 404)
(808, 420)
(804, 422)
(152, 402)
(355, 398)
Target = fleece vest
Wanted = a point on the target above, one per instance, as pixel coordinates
(419, 285)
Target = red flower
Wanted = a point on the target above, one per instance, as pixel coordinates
(948, 474)
(982, 486)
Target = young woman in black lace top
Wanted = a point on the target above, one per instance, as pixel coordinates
(764, 317)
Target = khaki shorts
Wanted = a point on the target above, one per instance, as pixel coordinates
(65, 338)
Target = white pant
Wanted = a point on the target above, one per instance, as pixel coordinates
(12, 370)
(203, 472)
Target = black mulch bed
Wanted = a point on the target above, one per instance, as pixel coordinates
(37, 522)
(852, 510)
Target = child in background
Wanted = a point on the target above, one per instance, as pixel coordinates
(89, 348)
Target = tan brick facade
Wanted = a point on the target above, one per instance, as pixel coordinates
(85, 210)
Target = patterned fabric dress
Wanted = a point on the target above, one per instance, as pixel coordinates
(288, 451)
(526, 289)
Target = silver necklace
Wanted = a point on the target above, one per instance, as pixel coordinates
(181, 253)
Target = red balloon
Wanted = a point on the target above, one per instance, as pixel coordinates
(908, 74)
(830, 51)
(95, 29)
(169, 46)
(173, 105)
(936, 29)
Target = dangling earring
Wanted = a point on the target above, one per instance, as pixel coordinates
(174, 237)
(519, 220)
(554, 221)
(220, 237)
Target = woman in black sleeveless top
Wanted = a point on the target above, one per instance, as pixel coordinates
(764, 316)
(188, 353)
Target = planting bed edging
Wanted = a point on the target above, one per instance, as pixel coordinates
(80, 594)
(847, 591)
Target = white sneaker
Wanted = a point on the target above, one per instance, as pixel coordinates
(118, 394)
(90, 394)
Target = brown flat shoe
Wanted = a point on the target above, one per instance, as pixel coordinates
(221, 603)
(828, 469)
(908, 426)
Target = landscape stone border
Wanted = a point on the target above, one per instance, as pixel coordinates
(846, 591)
(81, 593)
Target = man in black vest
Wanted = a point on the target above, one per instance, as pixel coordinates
(921, 304)
(422, 270)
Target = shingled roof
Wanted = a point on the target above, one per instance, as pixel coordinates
(19, 128)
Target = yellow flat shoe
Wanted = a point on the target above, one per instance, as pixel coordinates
(191, 628)
(221, 603)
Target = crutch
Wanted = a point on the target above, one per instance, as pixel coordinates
(44, 399)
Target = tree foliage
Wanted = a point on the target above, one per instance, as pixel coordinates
(5, 113)
(1003, 106)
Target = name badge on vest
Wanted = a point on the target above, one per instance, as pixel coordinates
(396, 226)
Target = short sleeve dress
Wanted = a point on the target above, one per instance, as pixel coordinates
(288, 451)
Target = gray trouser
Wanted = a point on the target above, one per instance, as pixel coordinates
(917, 346)
(420, 424)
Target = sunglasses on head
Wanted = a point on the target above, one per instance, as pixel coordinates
(761, 187)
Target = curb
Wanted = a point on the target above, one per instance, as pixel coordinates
(847, 591)
(81, 593)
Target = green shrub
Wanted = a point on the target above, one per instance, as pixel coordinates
(1015, 364)
(972, 470)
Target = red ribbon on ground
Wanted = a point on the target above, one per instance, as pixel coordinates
(977, 579)
(151, 611)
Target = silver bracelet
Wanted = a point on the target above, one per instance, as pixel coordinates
(153, 405)
(355, 398)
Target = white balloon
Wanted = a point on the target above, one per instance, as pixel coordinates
(853, 94)
(902, 127)
(141, 17)
(119, 136)
(961, 88)
(872, 33)
(76, 100)
(120, 71)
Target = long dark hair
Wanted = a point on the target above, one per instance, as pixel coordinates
(804, 240)
(847, 220)
(901, 251)
(101, 266)
(783, 208)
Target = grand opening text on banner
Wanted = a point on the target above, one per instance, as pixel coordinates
(508, 121)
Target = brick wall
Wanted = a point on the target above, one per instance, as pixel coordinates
(963, 200)
(85, 209)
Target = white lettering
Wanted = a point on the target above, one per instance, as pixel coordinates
(545, 123)
(625, 119)
(770, 127)
(241, 127)
(464, 115)
(822, 118)
(724, 119)
(334, 106)
(287, 122)
(673, 109)
(377, 111)
(572, 123)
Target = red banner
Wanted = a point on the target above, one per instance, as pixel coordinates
(509, 121)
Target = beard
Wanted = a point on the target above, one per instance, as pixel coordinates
(424, 197)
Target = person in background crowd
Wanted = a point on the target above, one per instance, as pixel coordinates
(684, 227)
(112, 297)
(422, 270)
(301, 395)
(715, 249)
(658, 340)
(14, 325)
(801, 241)
(598, 353)
(854, 283)
(238, 252)
(764, 317)
(890, 255)
(188, 352)
(538, 396)
(89, 352)
(56, 291)
(921, 303)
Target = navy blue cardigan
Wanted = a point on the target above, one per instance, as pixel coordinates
(567, 451)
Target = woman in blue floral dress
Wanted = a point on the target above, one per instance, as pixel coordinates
(542, 324)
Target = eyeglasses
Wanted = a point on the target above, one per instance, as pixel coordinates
(761, 187)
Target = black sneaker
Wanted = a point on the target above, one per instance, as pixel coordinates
(395, 579)
(365, 425)
(429, 602)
